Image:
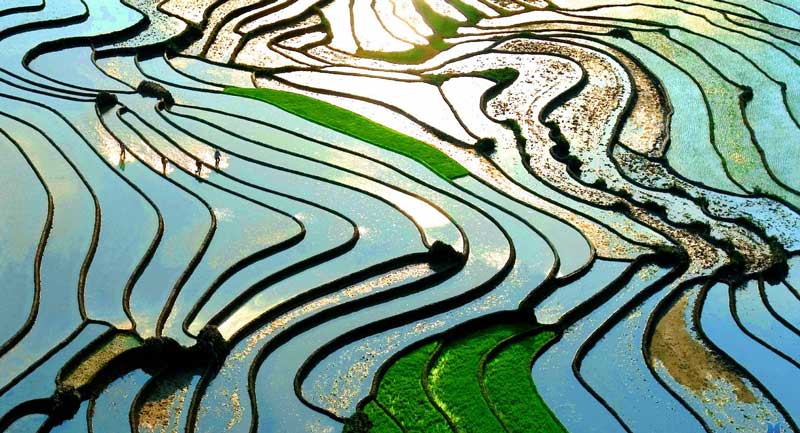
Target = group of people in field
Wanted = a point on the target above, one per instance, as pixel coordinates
(198, 164)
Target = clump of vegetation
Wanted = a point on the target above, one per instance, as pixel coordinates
(624, 193)
(669, 255)
(701, 228)
(621, 33)
(513, 125)
(621, 206)
(436, 79)
(211, 345)
(193, 32)
(486, 146)
(442, 255)
(65, 403)
(105, 101)
(746, 95)
(503, 77)
(151, 89)
(655, 208)
(677, 191)
(161, 351)
(600, 183)
(499, 75)
(779, 269)
(358, 423)
(357, 126)
(574, 164)
(560, 150)
(734, 271)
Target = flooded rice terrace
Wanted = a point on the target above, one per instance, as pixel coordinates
(399, 216)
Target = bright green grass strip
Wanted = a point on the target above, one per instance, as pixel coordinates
(381, 422)
(357, 126)
(454, 382)
(402, 394)
(509, 384)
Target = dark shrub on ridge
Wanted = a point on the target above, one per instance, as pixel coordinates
(105, 100)
(600, 183)
(561, 150)
(621, 33)
(746, 95)
(442, 255)
(669, 255)
(152, 89)
(779, 269)
(160, 351)
(486, 146)
(211, 345)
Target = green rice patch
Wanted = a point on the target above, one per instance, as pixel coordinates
(358, 126)
(509, 385)
(402, 393)
(381, 421)
(455, 379)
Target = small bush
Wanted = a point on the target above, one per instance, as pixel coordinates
(701, 228)
(151, 89)
(621, 33)
(561, 149)
(442, 255)
(779, 269)
(600, 183)
(211, 345)
(502, 76)
(733, 272)
(621, 207)
(677, 191)
(486, 146)
(624, 193)
(358, 423)
(746, 95)
(654, 207)
(105, 100)
(669, 255)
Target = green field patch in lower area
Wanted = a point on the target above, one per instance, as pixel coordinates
(455, 379)
(358, 126)
(381, 421)
(402, 393)
(519, 407)
(481, 380)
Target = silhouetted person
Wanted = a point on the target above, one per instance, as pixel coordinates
(164, 164)
(122, 153)
(198, 167)
(217, 157)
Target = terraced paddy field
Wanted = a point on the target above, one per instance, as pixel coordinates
(399, 216)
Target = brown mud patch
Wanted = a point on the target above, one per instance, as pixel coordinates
(688, 361)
